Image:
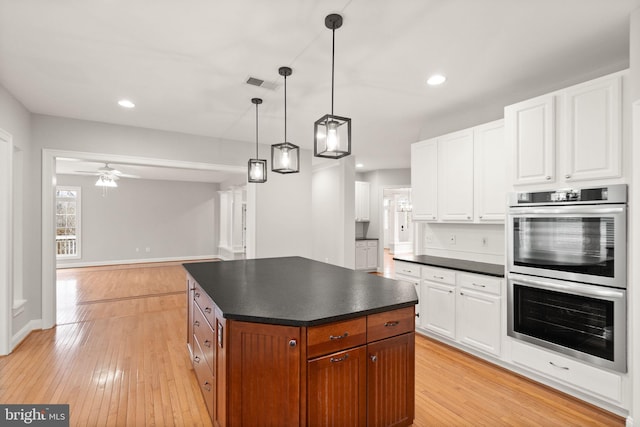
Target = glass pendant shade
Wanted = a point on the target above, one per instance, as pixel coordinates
(332, 137)
(331, 133)
(285, 156)
(257, 168)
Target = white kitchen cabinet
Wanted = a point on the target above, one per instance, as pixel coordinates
(593, 123)
(366, 255)
(530, 129)
(490, 172)
(574, 134)
(588, 379)
(410, 272)
(478, 312)
(455, 176)
(424, 180)
(438, 294)
(362, 201)
(461, 176)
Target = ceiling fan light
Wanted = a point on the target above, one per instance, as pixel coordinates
(106, 181)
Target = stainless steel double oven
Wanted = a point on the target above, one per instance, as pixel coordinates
(567, 252)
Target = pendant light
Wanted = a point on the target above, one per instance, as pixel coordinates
(285, 157)
(257, 167)
(331, 133)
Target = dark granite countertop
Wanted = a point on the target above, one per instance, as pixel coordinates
(496, 270)
(366, 238)
(297, 291)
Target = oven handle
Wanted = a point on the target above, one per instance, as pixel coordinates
(567, 210)
(569, 287)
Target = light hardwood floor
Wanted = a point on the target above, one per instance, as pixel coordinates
(118, 357)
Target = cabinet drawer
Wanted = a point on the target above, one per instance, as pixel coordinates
(361, 244)
(407, 269)
(372, 243)
(390, 323)
(205, 303)
(490, 285)
(325, 339)
(204, 376)
(589, 379)
(204, 333)
(439, 275)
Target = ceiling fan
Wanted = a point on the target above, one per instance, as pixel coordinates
(107, 176)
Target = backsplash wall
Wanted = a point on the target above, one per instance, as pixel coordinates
(475, 242)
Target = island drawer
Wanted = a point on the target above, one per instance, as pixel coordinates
(204, 375)
(204, 333)
(205, 303)
(390, 323)
(325, 339)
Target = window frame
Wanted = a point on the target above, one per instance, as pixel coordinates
(78, 225)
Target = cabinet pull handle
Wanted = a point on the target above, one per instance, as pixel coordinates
(338, 337)
(547, 177)
(373, 358)
(293, 343)
(438, 277)
(479, 216)
(207, 310)
(196, 359)
(450, 292)
(417, 314)
(479, 285)
(192, 289)
(207, 343)
(197, 295)
(406, 271)
(206, 386)
(461, 294)
(565, 368)
(567, 176)
(339, 359)
(196, 323)
(391, 324)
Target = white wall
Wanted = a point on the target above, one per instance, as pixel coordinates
(283, 212)
(16, 120)
(175, 220)
(333, 216)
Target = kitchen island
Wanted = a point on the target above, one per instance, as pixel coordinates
(295, 342)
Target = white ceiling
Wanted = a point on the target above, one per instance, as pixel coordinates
(185, 64)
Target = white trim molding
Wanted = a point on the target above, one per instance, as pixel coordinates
(6, 241)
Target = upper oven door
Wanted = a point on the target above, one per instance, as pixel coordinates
(585, 243)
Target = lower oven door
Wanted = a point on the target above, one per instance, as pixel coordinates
(587, 322)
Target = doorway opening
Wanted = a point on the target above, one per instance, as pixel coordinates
(398, 228)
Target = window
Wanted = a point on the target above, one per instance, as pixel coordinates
(68, 222)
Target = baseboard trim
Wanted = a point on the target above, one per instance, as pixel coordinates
(134, 261)
(32, 325)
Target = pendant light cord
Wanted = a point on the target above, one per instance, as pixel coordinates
(256, 131)
(285, 108)
(333, 55)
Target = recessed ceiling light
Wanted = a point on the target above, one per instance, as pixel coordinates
(436, 79)
(359, 165)
(125, 103)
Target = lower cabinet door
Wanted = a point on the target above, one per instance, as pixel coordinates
(438, 308)
(391, 398)
(337, 386)
(478, 321)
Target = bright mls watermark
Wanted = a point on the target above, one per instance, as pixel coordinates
(34, 415)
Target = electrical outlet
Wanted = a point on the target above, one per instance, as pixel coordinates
(148, 249)
(452, 239)
(429, 238)
(485, 241)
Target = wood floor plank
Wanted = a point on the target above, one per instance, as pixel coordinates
(118, 358)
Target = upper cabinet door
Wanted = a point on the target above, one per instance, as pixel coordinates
(362, 201)
(592, 130)
(455, 177)
(424, 180)
(490, 172)
(530, 127)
